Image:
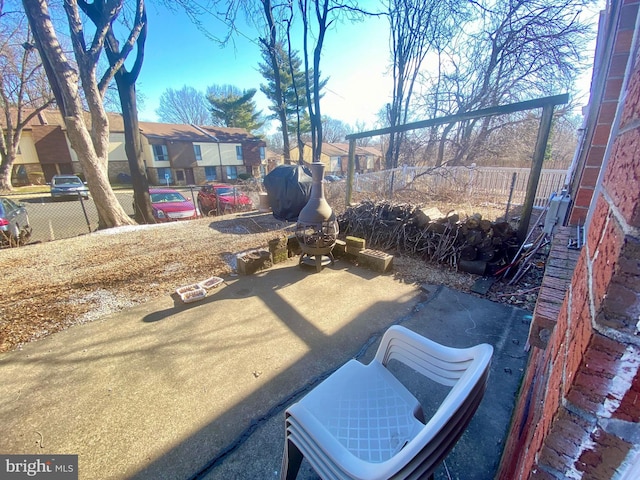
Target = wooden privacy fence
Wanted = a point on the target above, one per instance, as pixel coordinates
(466, 183)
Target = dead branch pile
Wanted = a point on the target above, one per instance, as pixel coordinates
(427, 233)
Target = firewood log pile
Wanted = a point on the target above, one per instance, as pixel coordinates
(429, 234)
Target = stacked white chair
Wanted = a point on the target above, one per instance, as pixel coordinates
(363, 423)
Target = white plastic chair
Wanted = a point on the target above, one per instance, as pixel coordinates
(362, 423)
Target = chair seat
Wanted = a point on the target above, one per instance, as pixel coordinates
(366, 409)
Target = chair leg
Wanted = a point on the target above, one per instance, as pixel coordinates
(291, 460)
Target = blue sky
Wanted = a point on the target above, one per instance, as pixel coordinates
(355, 58)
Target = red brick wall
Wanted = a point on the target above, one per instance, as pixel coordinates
(578, 415)
(604, 99)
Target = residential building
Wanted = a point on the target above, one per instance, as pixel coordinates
(173, 154)
(335, 157)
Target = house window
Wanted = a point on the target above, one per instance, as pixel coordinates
(160, 153)
(263, 153)
(180, 175)
(198, 152)
(210, 173)
(239, 152)
(232, 173)
(164, 175)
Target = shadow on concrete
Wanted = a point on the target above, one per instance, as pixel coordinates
(199, 390)
(447, 316)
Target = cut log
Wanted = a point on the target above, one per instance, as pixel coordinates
(468, 253)
(423, 215)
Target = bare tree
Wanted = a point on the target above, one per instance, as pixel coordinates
(24, 91)
(273, 23)
(187, 105)
(416, 27)
(99, 13)
(334, 130)
(317, 18)
(91, 142)
(275, 143)
(514, 51)
(272, 50)
(292, 109)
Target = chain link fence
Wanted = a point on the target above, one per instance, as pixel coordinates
(53, 220)
(495, 184)
(58, 219)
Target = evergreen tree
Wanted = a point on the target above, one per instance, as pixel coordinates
(294, 92)
(231, 107)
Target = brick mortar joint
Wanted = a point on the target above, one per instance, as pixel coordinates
(614, 212)
(558, 475)
(567, 337)
(625, 430)
(617, 336)
(590, 417)
(632, 125)
(590, 258)
(594, 423)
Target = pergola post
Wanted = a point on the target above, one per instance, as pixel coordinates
(544, 131)
(351, 167)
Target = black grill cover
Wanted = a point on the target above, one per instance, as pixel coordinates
(289, 189)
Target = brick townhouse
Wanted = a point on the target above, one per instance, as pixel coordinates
(178, 154)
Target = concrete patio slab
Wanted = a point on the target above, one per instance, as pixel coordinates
(451, 318)
(167, 390)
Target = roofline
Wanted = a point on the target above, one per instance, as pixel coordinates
(201, 130)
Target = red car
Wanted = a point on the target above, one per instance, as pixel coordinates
(218, 199)
(169, 205)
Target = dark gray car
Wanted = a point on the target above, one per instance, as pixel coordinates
(14, 224)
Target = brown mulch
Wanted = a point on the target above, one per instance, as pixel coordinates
(48, 287)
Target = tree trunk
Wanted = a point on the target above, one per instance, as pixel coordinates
(441, 146)
(8, 157)
(133, 147)
(5, 174)
(277, 68)
(91, 148)
(126, 82)
(110, 212)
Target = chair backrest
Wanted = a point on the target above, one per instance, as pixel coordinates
(445, 365)
(465, 370)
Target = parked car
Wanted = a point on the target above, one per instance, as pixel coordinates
(332, 178)
(220, 198)
(14, 223)
(68, 186)
(168, 205)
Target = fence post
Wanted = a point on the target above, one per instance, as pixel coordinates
(513, 185)
(84, 210)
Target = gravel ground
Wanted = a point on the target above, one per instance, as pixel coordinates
(51, 286)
